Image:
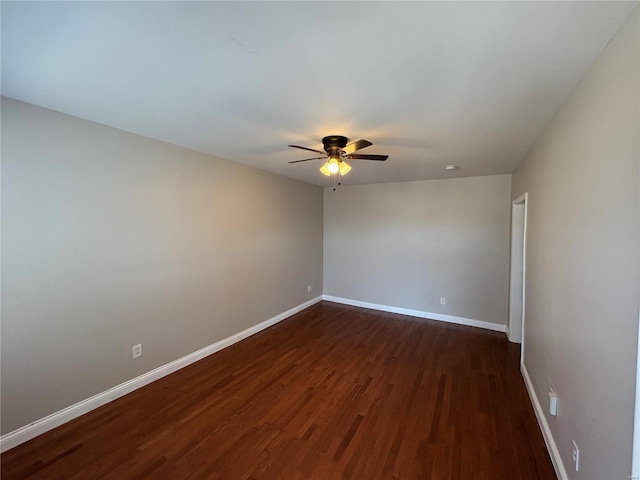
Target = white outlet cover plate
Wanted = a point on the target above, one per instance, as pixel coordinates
(576, 455)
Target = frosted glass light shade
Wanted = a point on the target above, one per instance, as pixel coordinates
(333, 165)
(325, 170)
(344, 168)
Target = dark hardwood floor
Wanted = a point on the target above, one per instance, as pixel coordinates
(334, 392)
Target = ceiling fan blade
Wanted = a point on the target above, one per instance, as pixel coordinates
(307, 159)
(357, 145)
(306, 148)
(358, 156)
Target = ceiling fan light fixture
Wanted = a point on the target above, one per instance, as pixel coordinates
(344, 167)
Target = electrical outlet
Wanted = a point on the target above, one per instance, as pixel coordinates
(136, 350)
(310, 288)
(576, 455)
(443, 301)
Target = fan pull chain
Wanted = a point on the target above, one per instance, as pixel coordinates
(339, 175)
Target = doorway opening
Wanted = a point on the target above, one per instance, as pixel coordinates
(515, 328)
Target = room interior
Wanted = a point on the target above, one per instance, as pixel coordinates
(148, 196)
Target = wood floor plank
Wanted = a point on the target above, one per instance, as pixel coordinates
(333, 392)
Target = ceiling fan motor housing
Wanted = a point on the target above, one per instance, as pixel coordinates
(333, 144)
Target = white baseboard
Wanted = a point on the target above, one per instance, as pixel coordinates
(544, 426)
(23, 434)
(417, 313)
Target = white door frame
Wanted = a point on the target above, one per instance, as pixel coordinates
(518, 271)
(635, 466)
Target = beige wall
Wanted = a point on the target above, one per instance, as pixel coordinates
(408, 244)
(110, 239)
(583, 261)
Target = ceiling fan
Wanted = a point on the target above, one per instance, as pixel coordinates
(336, 151)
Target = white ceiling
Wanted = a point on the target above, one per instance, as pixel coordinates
(429, 83)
